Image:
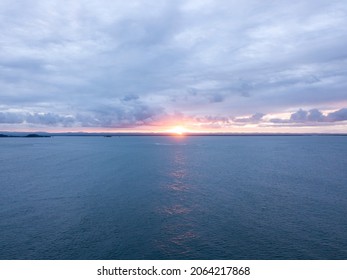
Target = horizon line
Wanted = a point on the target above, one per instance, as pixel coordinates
(81, 133)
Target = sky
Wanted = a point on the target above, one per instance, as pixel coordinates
(152, 65)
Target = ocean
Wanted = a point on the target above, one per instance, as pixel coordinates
(196, 197)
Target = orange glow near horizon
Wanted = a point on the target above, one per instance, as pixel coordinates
(183, 127)
(178, 130)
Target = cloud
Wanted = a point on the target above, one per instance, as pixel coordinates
(130, 97)
(340, 115)
(121, 116)
(216, 98)
(49, 119)
(126, 63)
(313, 116)
(299, 116)
(257, 117)
(11, 118)
(36, 118)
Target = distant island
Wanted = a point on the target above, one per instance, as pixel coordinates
(32, 135)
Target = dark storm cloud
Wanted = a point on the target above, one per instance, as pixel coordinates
(119, 63)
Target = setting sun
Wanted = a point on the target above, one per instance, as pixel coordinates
(179, 130)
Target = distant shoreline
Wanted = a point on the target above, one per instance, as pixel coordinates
(30, 135)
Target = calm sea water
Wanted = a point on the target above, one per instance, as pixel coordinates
(173, 198)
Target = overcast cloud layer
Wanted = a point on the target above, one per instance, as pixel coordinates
(223, 64)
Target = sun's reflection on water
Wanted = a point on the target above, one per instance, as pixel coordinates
(176, 210)
(177, 228)
(178, 173)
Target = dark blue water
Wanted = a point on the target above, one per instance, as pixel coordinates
(173, 198)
